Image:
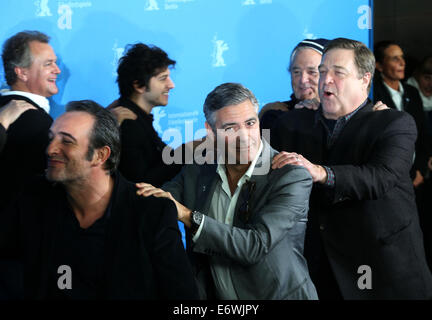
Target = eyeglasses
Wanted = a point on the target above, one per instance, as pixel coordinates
(246, 194)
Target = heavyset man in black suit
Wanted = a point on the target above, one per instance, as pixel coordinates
(84, 217)
(363, 239)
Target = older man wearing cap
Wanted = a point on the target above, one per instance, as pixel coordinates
(303, 68)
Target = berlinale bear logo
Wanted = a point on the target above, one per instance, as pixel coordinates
(42, 8)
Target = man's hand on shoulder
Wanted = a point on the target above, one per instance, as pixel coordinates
(147, 190)
(122, 113)
(318, 173)
(379, 106)
(12, 111)
(311, 104)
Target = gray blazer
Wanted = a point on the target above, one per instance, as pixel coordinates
(264, 253)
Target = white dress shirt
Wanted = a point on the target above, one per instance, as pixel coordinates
(41, 101)
(396, 96)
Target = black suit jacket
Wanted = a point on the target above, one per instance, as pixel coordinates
(144, 253)
(141, 149)
(369, 217)
(412, 104)
(270, 117)
(23, 154)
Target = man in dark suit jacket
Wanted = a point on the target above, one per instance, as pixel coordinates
(246, 222)
(389, 88)
(31, 72)
(363, 239)
(83, 233)
(144, 83)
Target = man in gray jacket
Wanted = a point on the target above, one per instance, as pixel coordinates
(245, 221)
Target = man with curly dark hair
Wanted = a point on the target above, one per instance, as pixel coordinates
(144, 83)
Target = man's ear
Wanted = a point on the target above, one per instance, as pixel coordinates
(22, 73)
(367, 78)
(101, 155)
(138, 88)
(209, 130)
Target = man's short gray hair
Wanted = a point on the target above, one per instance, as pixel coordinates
(226, 94)
(17, 53)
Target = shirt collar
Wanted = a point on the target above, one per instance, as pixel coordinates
(41, 101)
(350, 115)
(221, 169)
(319, 115)
(393, 91)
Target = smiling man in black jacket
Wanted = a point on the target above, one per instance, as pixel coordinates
(83, 233)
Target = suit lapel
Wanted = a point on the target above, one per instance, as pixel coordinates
(386, 96)
(206, 186)
(259, 177)
(405, 99)
(208, 179)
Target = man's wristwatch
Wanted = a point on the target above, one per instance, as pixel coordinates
(196, 219)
